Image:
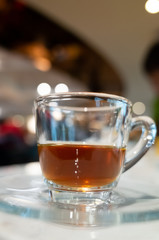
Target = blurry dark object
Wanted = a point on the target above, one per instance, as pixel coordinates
(13, 148)
(151, 64)
(151, 67)
(47, 44)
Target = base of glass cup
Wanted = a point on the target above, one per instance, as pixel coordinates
(80, 195)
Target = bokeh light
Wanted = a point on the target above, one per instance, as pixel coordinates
(31, 124)
(61, 87)
(43, 89)
(18, 120)
(152, 6)
(139, 108)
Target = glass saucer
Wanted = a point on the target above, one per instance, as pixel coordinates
(25, 194)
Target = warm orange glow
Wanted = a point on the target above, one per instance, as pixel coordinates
(42, 64)
(84, 189)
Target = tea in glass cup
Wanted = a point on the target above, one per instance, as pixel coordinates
(82, 143)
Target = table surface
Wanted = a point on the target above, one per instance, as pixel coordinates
(144, 179)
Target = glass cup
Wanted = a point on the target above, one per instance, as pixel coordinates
(82, 143)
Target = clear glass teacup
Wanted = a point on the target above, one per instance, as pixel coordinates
(82, 143)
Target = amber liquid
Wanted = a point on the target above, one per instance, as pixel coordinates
(80, 165)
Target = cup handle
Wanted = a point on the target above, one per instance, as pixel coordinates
(146, 140)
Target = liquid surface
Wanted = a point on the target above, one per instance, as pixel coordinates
(80, 165)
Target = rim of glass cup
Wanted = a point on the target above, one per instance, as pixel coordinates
(56, 96)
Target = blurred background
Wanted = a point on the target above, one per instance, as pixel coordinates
(59, 46)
